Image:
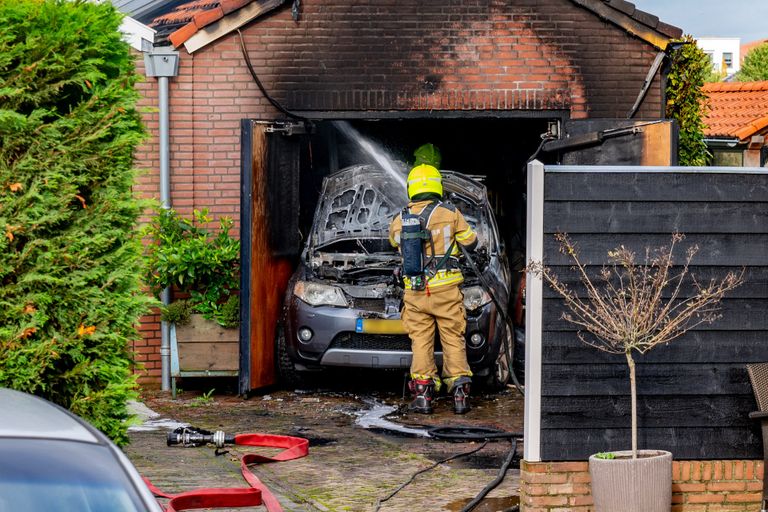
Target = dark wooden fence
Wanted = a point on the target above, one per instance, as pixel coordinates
(693, 394)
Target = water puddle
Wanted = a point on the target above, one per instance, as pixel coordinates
(505, 504)
(150, 420)
(377, 154)
(375, 419)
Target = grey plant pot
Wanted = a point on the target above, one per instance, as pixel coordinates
(625, 484)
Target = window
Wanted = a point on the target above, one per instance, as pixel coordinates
(728, 59)
(40, 475)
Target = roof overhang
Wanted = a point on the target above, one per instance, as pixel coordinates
(629, 23)
(753, 128)
(211, 24)
(201, 32)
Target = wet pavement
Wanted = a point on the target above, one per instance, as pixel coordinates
(349, 467)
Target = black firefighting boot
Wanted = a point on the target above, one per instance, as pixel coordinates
(460, 390)
(423, 391)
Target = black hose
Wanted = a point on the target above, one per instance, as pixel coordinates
(495, 483)
(447, 459)
(544, 139)
(261, 87)
(462, 433)
(502, 311)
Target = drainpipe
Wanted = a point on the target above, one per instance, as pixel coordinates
(163, 62)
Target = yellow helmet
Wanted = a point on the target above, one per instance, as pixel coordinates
(424, 178)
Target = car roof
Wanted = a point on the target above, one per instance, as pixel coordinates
(25, 415)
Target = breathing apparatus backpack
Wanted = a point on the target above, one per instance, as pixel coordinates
(415, 235)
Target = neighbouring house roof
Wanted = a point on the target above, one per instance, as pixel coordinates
(746, 47)
(183, 22)
(737, 109)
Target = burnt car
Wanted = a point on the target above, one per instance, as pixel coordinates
(342, 306)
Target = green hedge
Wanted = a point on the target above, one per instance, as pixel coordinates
(689, 69)
(70, 288)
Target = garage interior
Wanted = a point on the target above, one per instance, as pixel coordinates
(493, 150)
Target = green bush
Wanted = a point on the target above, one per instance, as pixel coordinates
(755, 67)
(230, 312)
(195, 260)
(176, 312)
(687, 103)
(70, 259)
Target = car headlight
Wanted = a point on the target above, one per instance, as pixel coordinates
(316, 294)
(475, 297)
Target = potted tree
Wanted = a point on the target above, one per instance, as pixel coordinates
(201, 266)
(635, 307)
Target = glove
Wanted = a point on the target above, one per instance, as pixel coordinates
(481, 258)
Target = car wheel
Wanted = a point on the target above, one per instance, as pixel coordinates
(500, 372)
(287, 374)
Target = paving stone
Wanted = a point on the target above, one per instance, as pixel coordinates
(348, 467)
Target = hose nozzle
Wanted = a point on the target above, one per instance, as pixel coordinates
(190, 436)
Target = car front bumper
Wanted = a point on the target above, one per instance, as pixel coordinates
(337, 341)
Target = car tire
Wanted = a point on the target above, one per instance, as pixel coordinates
(500, 373)
(287, 375)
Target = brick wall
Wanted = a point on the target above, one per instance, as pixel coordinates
(459, 55)
(697, 486)
(381, 55)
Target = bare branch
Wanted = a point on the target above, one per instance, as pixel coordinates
(628, 311)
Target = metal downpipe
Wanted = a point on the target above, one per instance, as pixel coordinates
(163, 63)
(165, 202)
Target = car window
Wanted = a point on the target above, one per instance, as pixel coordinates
(38, 475)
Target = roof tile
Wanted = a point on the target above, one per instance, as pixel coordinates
(646, 18)
(184, 13)
(736, 109)
(179, 36)
(229, 6)
(205, 18)
(627, 8)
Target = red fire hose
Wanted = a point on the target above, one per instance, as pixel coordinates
(255, 495)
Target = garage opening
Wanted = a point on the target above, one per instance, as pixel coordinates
(495, 151)
(287, 169)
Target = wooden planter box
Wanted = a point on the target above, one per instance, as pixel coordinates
(203, 348)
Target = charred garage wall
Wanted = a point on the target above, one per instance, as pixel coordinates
(390, 59)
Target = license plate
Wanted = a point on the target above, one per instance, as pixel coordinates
(379, 326)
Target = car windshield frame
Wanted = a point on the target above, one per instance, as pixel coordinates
(39, 475)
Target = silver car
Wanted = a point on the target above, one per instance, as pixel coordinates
(343, 304)
(52, 460)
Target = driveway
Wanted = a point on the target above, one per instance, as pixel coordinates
(349, 467)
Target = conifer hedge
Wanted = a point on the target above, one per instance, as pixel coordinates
(70, 289)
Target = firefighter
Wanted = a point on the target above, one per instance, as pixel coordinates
(426, 232)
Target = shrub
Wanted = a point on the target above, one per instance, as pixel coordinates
(70, 267)
(687, 103)
(195, 260)
(176, 312)
(755, 67)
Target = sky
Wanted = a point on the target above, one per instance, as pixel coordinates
(746, 19)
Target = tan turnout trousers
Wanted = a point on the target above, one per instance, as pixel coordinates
(442, 306)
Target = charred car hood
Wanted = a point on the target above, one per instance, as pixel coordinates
(349, 239)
